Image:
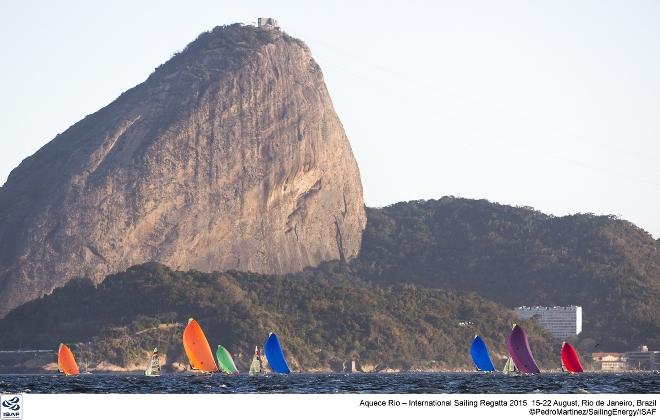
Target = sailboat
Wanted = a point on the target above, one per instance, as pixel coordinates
(66, 363)
(85, 368)
(274, 354)
(570, 359)
(256, 367)
(225, 361)
(509, 367)
(153, 368)
(197, 348)
(520, 352)
(480, 356)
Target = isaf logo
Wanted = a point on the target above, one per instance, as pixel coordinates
(11, 407)
(12, 404)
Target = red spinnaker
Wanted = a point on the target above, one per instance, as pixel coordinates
(570, 358)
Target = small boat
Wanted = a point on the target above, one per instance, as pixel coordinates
(153, 368)
(570, 359)
(225, 361)
(197, 348)
(480, 356)
(256, 367)
(519, 350)
(66, 363)
(510, 367)
(275, 355)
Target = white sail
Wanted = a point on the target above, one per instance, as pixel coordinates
(509, 367)
(256, 367)
(153, 368)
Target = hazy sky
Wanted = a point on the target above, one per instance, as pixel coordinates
(551, 104)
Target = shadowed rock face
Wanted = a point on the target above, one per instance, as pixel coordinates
(229, 156)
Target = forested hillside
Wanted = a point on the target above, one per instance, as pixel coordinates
(518, 256)
(322, 316)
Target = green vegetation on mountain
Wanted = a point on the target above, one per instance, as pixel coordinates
(517, 256)
(413, 298)
(322, 316)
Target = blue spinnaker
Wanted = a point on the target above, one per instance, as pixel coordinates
(274, 355)
(480, 357)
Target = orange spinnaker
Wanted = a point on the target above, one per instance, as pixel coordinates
(570, 359)
(66, 362)
(197, 348)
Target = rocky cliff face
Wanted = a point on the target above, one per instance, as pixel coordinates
(229, 156)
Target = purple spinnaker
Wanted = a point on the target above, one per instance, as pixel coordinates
(518, 347)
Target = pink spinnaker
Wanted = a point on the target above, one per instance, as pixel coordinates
(519, 351)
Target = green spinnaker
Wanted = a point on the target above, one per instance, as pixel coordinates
(225, 360)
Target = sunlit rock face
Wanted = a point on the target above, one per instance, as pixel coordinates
(229, 156)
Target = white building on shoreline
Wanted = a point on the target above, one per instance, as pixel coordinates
(560, 321)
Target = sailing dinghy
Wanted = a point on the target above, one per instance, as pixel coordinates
(153, 368)
(197, 348)
(570, 359)
(66, 363)
(274, 354)
(256, 366)
(520, 352)
(225, 361)
(509, 367)
(480, 356)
